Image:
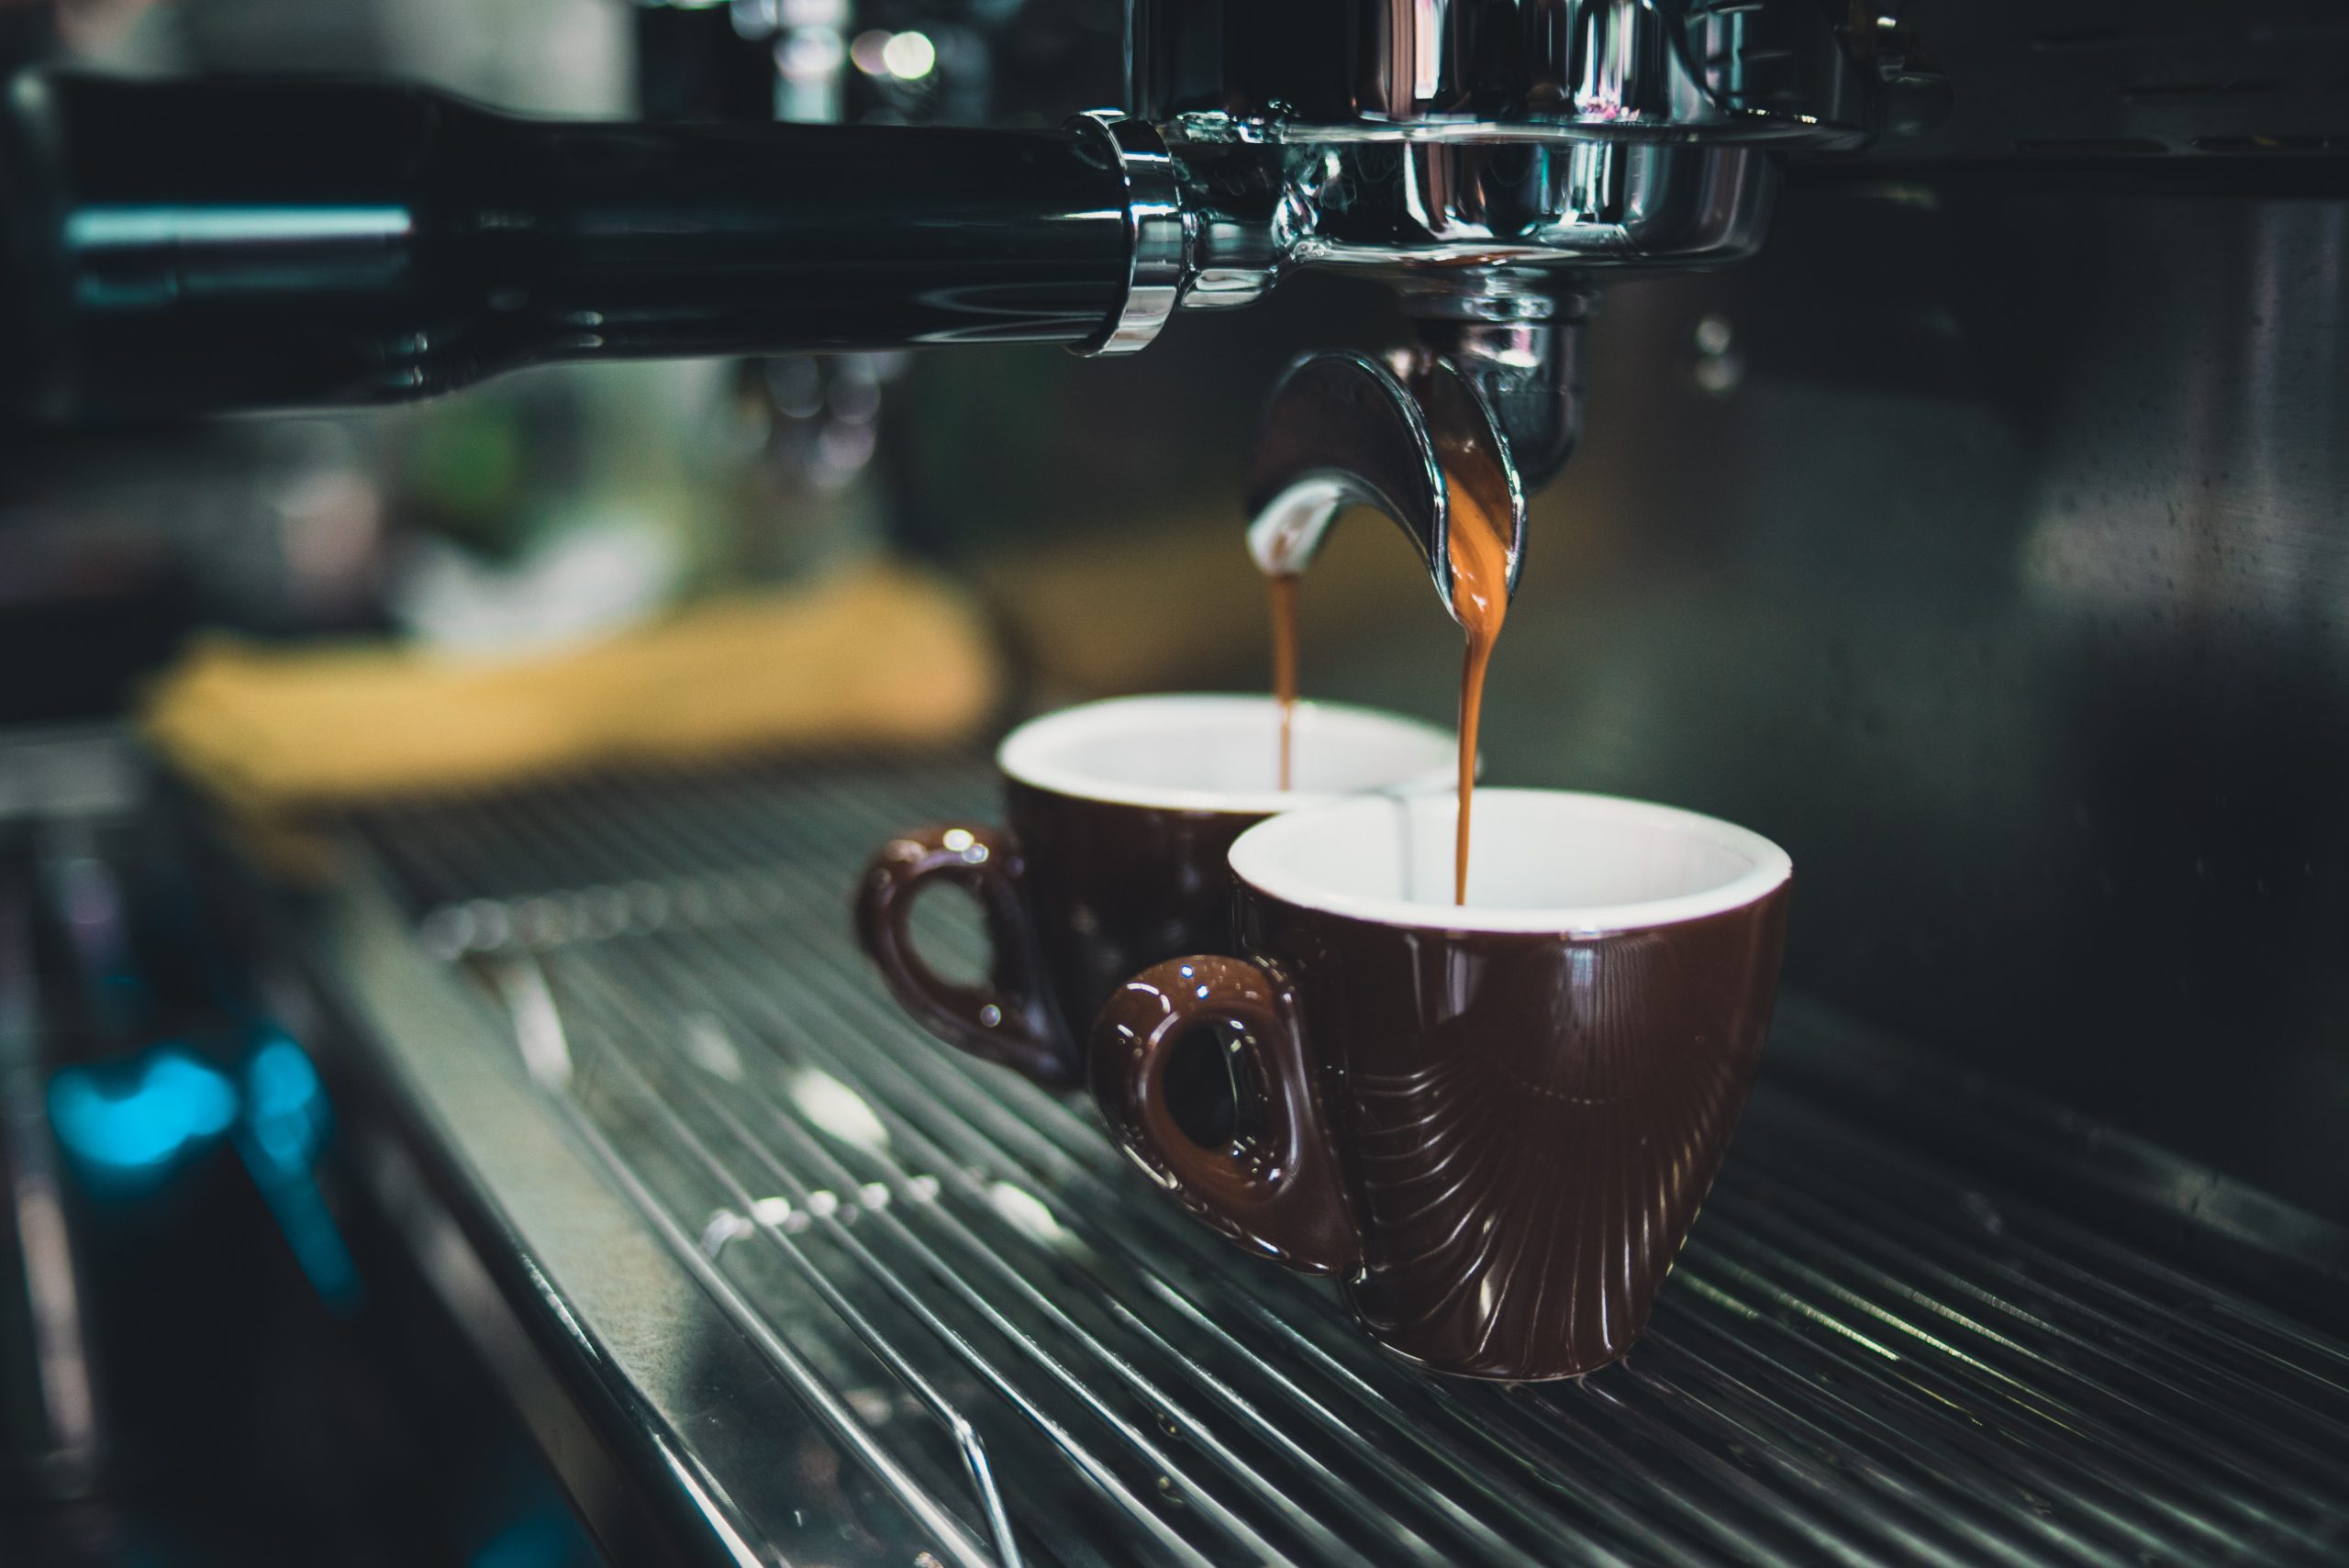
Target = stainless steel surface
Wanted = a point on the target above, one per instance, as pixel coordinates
(735, 1154)
(1482, 137)
(1401, 210)
(1475, 70)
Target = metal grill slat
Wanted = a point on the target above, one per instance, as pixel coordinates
(1349, 1497)
(2233, 1344)
(1088, 1184)
(1950, 1433)
(837, 1177)
(2179, 1387)
(1084, 1139)
(1094, 1467)
(1859, 1443)
(1309, 1337)
(1168, 1407)
(2158, 1451)
(1862, 1358)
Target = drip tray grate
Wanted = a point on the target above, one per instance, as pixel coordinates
(1016, 1352)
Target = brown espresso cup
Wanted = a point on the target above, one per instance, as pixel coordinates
(1122, 817)
(1494, 1122)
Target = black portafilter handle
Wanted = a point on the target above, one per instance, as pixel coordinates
(177, 248)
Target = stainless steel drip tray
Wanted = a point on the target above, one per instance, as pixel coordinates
(824, 1292)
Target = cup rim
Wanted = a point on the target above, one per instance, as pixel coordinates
(1255, 860)
(1025, 754)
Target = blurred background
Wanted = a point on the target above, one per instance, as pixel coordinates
(1982, 542)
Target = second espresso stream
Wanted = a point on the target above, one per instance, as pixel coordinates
(1478, 549)
(1283, 585)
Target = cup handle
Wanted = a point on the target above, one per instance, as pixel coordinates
(1008, 1020)
(1278, 1195)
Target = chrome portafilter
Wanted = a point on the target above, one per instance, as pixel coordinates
(1493, 163)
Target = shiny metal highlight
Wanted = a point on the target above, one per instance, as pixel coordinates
(1157, 262)
(1480, 70)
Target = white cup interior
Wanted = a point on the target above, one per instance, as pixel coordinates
(1543, 861)
(1222, 753)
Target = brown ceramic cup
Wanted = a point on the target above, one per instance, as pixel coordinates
(1121, 815)
(1493, 1122)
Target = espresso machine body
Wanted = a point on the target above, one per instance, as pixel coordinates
(1922, 424)
(2006, 580)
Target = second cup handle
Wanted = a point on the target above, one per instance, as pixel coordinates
(1008, 1020)
(1279, 1194)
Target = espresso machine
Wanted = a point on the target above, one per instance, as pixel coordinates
(199, 247)
(1960, 505)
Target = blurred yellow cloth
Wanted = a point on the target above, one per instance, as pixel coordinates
(882, 656)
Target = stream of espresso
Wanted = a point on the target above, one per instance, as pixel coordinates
(1284, 660)
(1479, 550)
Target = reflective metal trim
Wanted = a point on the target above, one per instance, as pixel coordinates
(1154, 230)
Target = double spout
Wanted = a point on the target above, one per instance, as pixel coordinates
(1476, 414)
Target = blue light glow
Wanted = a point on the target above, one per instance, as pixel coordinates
(138, 1120)
(121, 228)
(285, 1103)
(128, 1123)
(286, 1126)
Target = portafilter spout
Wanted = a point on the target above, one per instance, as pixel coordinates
(1486, 408)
